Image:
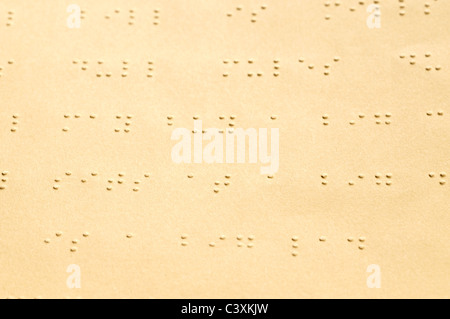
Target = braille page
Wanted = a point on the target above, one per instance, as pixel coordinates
(224, 149)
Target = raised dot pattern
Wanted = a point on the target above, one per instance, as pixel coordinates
(250, 68)
(73, 120)
(424, 59)
(102, 69)
(403, 7)
(251, 14)
(117, 182)
(72, 243)
(337, 6)
(131, 16)
(377, 179)
(10, 15)
(4, 181)
(442, 177)
(5, 66)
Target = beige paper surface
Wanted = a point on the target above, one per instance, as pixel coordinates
(87, 114)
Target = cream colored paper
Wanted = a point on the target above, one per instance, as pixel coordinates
(363, 115)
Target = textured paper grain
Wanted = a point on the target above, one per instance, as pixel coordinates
(364, 132)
